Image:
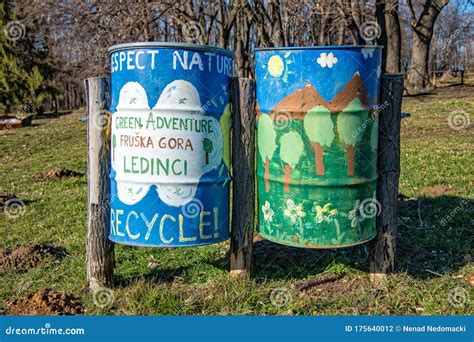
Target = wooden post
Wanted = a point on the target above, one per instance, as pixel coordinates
(100, 259)
(382, 251)
(243, 172)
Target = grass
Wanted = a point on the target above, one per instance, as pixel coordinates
(433, 258)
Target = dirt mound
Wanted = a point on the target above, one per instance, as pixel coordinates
(437, 190)
(57, 173)
(22, 258)
(44, 302)
(334, 286)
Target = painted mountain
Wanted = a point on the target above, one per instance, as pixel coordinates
(301, 101)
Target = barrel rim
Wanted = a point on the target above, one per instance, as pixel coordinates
(136, 45)
(320, 47)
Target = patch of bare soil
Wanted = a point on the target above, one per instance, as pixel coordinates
(25, 257)
(57, 173)
(331, 285)
(437, 190)
(44, 302)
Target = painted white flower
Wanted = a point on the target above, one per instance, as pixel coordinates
(326, 60)
(325, 213)
(355, 215)
(293, 211)
(267, 212)
(368, 52)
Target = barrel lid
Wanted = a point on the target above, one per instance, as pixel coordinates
(141, 45)
(322, 47)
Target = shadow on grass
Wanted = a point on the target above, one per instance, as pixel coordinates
(160, 275)
(435, 235)
(434, 238)
(51, 115)
(169, 274)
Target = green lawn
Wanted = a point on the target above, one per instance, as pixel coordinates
(433, 259)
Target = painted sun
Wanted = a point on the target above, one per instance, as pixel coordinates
(277, 66)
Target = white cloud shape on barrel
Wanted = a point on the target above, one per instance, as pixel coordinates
(326, 60)
(179, 99)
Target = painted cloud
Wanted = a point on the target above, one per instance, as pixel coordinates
(326, 60)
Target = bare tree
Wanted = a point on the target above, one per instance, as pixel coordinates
(423, 21)
(390, 37)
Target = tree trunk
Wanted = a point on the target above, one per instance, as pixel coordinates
(266, 176)
(390, 38)
(100, 258)
(418, 77)
(287, 178)
(350, 160)
(383, 247)
(318, 152)
(243, 172)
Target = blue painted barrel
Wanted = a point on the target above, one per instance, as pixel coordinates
(317, 133)
(170, 144)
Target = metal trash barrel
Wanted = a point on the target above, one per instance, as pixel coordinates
(317, 133)
(170, 144)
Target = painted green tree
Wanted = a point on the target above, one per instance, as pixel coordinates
(291, 149)
(351, 125)
(225, 123)
(207, 147)
(320, 131)
(266, 137)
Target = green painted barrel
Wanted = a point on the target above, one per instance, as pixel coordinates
(317, 134)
